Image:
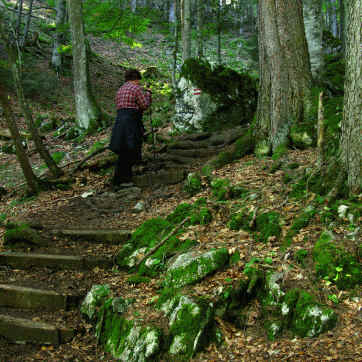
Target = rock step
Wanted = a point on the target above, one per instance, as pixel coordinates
(29, 298)
(100, 236)
(29, 260)
(26, 330)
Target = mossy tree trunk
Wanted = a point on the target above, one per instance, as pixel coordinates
(88, 113)
(31, 180)
(285, 75)
(351, 146)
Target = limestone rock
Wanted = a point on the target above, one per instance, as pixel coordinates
(191, 267)
(94, 299)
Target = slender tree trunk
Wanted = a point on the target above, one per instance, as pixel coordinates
(172, 13)
(88, 113)
(186, 28)
(218, 32)
(312, 13)
(31, 180)
(176, 44)
(200, 21)
(16, 63)
(351, 146)
(59, 35)
(133, 5)
(285, 76)
(27, 24)
(342, 14)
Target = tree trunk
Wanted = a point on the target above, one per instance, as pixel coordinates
(200, 21)
(172, 12)
(351, 146)
(17, 76)
(186, 28)
(312, 12)
(176, 44)
(218, 32)
(31, 180)
(27, 24)
(133, 5)
(88, 113)
(59, 35)
(285, 76)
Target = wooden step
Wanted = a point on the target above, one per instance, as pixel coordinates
(29, 260)
(97, 236)
(29, 298)
(25, 330)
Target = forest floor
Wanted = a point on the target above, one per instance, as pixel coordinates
(67, 208)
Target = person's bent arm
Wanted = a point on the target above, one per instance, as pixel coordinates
(144, 98)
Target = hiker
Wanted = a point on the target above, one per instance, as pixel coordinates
(128, 131)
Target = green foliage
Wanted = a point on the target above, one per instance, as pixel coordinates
(268, 226)
(300, 256)
(336, 265)
(223, 158)
(244, 145)
(220, 188)
(240, 220)
(108, 19)
(193, 184)
(138, 279)
(280, 151)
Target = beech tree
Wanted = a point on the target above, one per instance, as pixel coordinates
(285, 77)
(88, 113)
(351, 146)
(312, 13)
(186, 28)
(59, 35)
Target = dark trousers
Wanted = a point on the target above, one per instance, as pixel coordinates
(123, 169)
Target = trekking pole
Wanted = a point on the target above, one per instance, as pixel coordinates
(153, 136)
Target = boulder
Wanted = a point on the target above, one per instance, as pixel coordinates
(191, 267)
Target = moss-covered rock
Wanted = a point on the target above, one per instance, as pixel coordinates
(335, 264)
(301, 137)
(310, 318)
(233, 93)
(22, 235)
(222, 189)
(125, 339)
(189, 268)
(262, 148)
(268, 226)
(189, 321)
(94, 298)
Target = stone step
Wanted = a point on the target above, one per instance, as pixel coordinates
(98, 236)
(26, 330)
(29, 298)
(29, 260)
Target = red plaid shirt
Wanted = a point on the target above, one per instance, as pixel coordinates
(132, 95)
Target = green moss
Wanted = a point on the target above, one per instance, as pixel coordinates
(181, 212)
(240, 220)
(193, 184)
(138, 279)
(123, 338)
(300, 256)
(222, 159)
(268, 225)
(203, 217)
(189, 269)
(244, 145)
(94, 298)
(335, 264)
(300, 222)
(310, 318)
(273, 328)
(189, 322)
(22, 235)
(220, 188)
(280, 151)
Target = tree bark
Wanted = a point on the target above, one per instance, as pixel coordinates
(88, 113)
(312, 13)
(186, 28)
(176, 44)
(59, 35)
(285, 76)
(31, 180)
(351, 146)
(200, 21)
